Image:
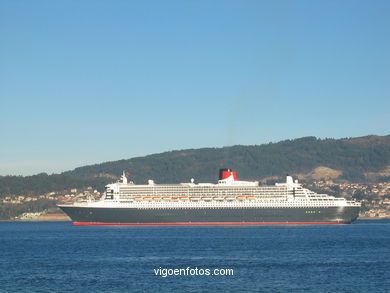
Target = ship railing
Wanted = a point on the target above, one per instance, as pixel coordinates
(199, 204)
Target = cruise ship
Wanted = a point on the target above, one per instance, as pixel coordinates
(230, 201)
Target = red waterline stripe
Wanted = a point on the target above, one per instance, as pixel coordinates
(202, 224)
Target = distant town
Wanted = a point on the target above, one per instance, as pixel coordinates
(375, 199)
(42, 207)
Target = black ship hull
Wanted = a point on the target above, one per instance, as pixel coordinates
(210, 216)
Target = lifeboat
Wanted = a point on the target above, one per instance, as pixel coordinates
(241, 197)
(138, 198)
(156, 197)
(251, 197)
(184, 197)
(166, 197)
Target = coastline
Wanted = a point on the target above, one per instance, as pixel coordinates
(57, 217)
(60, 217)
(373, 218)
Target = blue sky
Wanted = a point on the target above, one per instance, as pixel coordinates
(84, 82)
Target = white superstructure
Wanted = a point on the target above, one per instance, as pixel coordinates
(227, 193)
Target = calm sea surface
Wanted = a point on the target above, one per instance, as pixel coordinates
(59, 257)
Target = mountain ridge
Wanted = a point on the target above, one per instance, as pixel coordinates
(356, 159)
(371, 148)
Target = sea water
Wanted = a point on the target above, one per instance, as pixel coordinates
(60, 257)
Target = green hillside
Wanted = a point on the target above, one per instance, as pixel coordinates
(353, 157)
